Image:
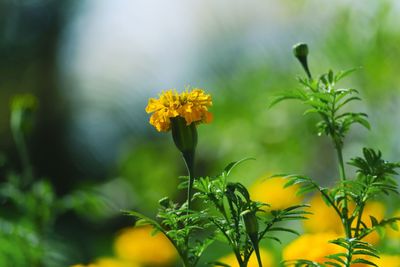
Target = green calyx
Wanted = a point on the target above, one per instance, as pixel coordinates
(185, 136)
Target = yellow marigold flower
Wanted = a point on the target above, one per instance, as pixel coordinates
(313, 247)
(139, 246)
(194, 106)
(272, 192)
(266, 257)
(190, 105)
(325, 219)
(163, 109)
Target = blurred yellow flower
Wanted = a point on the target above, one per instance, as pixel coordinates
(111, 262)
(392, 234)
(325, 219)
(272, 191)
(313, 247)
(190, 105)
(108, 262)
(139, 246)
(388, 261)
(266, 257)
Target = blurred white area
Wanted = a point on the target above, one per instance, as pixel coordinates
(116, 54)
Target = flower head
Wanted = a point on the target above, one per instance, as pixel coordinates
(191, 105)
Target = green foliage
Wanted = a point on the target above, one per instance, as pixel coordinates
(230, 216)
(374, 166)
(34, 202)
(241, 222)
(353, 250)
(179, 224)
(324, 99)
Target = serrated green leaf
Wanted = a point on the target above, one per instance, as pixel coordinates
(233, 164)
(341, 74)
(218, 263)
(333, 264)
(282, 229)
(337, 258)
(365, 252)
(364, 261)
(374, 221)
(273, 238)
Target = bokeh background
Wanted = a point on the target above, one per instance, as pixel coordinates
(93, 65)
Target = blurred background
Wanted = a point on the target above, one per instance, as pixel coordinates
(94, 64)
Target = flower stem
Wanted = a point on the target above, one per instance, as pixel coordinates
(345, 210)
(188, 157)
(360, 212)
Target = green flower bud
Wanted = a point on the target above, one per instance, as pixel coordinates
(300, 51)
(251, 223)
(23, 108)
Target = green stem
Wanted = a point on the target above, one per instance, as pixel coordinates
(257, 251)
(345, 210)
(185, 262)
(24, 156)
(360, 212)
(188, 157)
(239, 258)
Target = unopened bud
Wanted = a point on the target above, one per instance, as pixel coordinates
(251, 223)
(300, 51)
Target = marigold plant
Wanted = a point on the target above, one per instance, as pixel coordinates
(351, 198)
